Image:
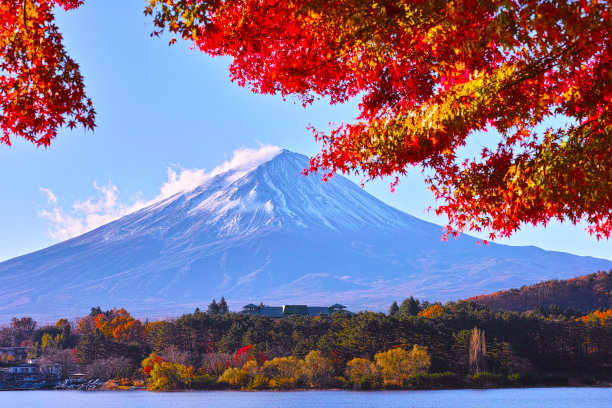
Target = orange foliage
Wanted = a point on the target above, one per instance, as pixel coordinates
(117, 324)
(432, 312)
(602, 317)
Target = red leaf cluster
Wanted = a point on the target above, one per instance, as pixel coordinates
(41, 87)
(430, 74)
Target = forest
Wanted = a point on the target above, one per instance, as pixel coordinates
(415, 345)
(586, 293)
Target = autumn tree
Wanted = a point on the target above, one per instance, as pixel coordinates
(41, 87)
(109, 367)
(397, 364)
(6, 337)
(65, 327)
(432, 311)
(216, 363)
(284, 372)
(318, 369)
(362, 373)
(535, 74)
(235, 377)
(478, 351)
(22, 329)
(64, 360)
(119, 325)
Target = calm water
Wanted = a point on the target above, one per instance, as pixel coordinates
(507, 398)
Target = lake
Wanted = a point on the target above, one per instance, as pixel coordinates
(507, 398)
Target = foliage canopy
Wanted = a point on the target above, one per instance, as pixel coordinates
(431, 74)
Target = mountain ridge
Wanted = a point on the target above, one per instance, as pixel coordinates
(584, 293)
(272, 234)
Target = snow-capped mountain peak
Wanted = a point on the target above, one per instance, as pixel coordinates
(257, 228)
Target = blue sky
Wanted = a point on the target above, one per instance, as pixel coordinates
(162, 107)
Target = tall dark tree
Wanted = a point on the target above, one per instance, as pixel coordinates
(223, 308)
(95, 311)
(409, 307)
(93, 346)
(213, 308)
(394, 309)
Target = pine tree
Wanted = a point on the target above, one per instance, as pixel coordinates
(409, 307)
(213, 308)
(223, 308)
(394, 309)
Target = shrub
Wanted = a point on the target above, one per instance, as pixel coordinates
(486, 379)
(235, 377)
(397, 364)
(282, 383)
(259, 382)
(167, 376)
(362, 374)
(435, 381)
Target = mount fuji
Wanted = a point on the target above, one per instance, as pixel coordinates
(267, 233)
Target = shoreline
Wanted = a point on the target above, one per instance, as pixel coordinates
(248, 390)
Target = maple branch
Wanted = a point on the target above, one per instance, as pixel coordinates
(25, 18)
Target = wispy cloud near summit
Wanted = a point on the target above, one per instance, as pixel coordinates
(93, 212)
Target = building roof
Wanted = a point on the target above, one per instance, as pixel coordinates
(295, 310)
(250, 306)
(292, 310)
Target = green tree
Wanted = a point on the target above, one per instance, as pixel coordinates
(213, 308)
(409, 307)
(393, 309)
(223, 308)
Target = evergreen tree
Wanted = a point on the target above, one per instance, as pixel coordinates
(409, 307)
(95, 311)
(232, 340)
(93, 346)
(213, 308)
(223, 308)
(394, 309)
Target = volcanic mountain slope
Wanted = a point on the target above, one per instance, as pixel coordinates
(267, 234)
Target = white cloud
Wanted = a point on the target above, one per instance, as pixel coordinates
(184, 180)
(61, 225)
(51, 198)
(86, 215)
(243, 160)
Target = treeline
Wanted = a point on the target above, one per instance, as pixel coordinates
(585, 294)
(416, 344)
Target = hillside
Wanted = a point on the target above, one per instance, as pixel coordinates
(584, 293)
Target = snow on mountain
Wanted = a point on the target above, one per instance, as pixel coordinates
(260, 230)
